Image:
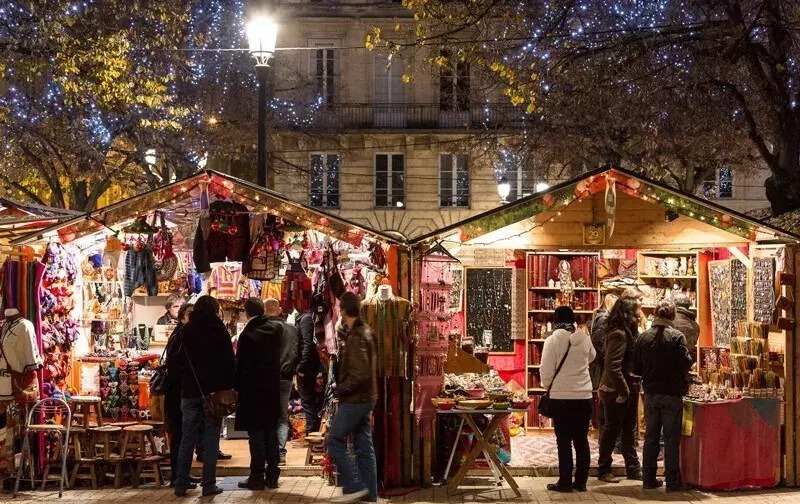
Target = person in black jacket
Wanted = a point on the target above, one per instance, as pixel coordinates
(206, 364)
(172, 397)
(289, 345)
(663, 361)
(258, 382)
(307, 371)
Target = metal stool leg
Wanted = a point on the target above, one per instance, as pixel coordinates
(22, 456)
(64, 476)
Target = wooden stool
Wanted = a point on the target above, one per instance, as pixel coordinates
(159, 430)
(123, 424)
(109, 438)
(85, 468)
(134, 448)
(82, 406)
(316, 449)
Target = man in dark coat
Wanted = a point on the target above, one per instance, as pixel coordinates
(307, 371)
(685, 321)
(257, 381)
(289, 346)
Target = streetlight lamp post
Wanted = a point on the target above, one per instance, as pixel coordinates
(262, 34)
(503, 190)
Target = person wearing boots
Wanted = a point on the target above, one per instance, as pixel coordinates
(307, 371)
(619, 390)
(258, 382)
(663, 361)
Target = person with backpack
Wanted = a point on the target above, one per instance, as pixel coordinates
(663, 361)
(566, 356)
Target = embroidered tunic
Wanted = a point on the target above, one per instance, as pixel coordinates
(19, 351)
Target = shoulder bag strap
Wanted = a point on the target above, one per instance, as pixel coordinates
(199, 387)
(560, 364)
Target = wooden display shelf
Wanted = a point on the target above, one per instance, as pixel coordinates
(669, 277)
(534, 366)
(537, 390)
(558, 289)
(551, 311)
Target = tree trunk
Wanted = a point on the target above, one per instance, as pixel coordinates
(783, 186)
(80, 196)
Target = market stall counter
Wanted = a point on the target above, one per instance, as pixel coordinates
(745, 430)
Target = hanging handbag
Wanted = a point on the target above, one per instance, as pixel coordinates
(218, 404)
(158, 382)
(24, 386)
(545, 406)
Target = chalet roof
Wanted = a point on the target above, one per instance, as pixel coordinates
(182, 200)
(626, 181)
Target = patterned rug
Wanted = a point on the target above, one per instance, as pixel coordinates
(539, 450)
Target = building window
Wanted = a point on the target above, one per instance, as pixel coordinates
(453, 181)
(454, 85)
(719, 185)
(324, 180)
(390, 181)
(325, 71)
(522, 183)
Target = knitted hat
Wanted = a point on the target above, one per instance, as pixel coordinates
(564, 315)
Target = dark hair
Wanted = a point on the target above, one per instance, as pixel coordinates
(206, 305)
(665, 309)
(624, 315)
(564, 315)
(254, 307)
(187, 307)
(681, 300)
(350, 304)
(171, 299)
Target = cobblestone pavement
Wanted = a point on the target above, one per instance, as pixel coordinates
(313, 489)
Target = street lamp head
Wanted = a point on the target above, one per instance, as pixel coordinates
(262, 34)
(503, 189)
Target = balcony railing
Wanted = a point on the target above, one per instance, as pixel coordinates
(357, 116)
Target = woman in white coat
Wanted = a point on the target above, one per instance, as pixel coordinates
(570, 396)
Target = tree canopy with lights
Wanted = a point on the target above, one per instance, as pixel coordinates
(677, 89)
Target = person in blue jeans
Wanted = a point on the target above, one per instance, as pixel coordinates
(357, 391)
(662, 359)
(206, 364)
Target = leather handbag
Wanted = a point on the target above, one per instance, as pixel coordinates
(158, 382)
(218, 404)
(545, 406)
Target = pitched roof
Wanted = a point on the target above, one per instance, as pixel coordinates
(627, 181)
(181, 198)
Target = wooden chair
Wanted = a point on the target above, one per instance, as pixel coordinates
(107, 442)
(85, 468)
(53, 417)
(134, 448)
(82, 408)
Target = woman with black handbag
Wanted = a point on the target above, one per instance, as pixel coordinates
(171, 390)
(566, 356)
(206, 364)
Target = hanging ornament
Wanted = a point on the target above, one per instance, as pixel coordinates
(233, 229)
(548, 199)
(726, 220)
(611, 204)
(216, 225)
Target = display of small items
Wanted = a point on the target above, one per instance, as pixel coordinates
(669, 266)
(119, 390)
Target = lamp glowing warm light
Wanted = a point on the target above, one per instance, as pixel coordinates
(503, 189)
(541, 186)
(262, 34)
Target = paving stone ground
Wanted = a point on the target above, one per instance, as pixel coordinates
(313, 489)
